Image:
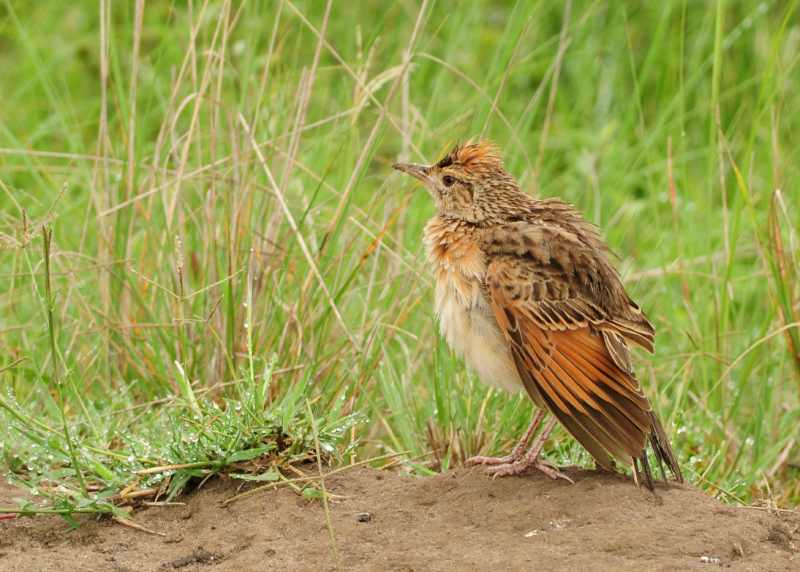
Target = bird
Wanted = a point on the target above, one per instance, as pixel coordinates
(526, 294)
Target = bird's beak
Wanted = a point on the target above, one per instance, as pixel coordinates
(420, 172)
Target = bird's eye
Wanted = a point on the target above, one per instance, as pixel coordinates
(448, 181)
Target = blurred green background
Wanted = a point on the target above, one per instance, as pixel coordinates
(217, 178)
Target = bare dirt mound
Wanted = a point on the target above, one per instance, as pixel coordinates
(459, 520)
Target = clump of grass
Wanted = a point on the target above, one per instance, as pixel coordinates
(186, 441)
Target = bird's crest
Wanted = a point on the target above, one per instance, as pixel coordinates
(473, 156)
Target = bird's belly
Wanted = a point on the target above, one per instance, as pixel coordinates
(471, 331)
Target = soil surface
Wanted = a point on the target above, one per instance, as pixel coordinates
(462, 520)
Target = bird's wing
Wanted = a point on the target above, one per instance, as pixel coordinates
(545, 289)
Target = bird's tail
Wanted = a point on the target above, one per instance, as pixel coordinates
(663, 454)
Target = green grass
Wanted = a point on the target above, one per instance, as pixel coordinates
(236, 274)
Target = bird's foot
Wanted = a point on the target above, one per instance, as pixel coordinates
(552, 472)
(518, 462)
(491, 461)
(522, 466)
(518, 453)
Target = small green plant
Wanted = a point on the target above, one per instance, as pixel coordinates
(191, 439)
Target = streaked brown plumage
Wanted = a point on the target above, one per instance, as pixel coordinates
(526, 293)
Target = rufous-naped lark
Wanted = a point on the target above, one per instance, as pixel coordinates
(526, 294)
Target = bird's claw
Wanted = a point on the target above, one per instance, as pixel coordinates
(552, 472)
(520, 467)
(491, 461)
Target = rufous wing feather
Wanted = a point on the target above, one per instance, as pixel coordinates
(576, 368)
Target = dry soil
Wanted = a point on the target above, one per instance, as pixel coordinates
(462, 520)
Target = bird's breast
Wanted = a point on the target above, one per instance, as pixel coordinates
(465, 319)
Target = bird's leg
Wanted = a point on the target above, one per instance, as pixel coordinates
(531, 459)
(518, 452)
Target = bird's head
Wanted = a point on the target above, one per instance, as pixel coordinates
(469, 183)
